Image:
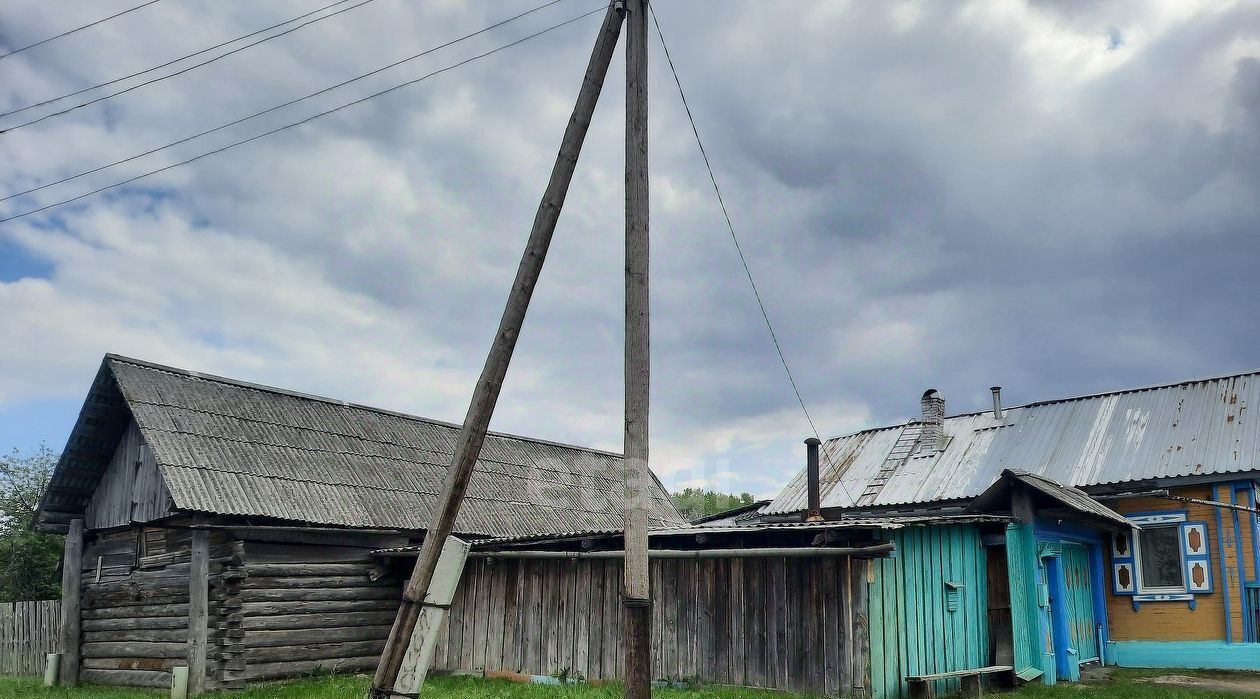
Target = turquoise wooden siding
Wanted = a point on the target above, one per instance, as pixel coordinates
(928, 608)
(1021, 562)
(1082, 623)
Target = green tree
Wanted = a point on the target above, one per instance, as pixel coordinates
(28, 559)
(694, 503)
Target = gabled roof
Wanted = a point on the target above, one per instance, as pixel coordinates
(1191, 428)
(997, 499)
(233, 448)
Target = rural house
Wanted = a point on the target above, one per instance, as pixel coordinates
(1173, 583)
(229, 527)
(1027, 541)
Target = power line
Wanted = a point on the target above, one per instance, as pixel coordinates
(281, 106)
(309, 119)
(170, 62)
(76, 29)
(731, 227)
(181, 71)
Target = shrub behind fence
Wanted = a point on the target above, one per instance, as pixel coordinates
(28, 632)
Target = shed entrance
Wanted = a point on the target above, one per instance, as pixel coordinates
(1074, 624)
(1082, 623)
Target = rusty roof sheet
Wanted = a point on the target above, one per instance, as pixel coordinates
(233, 448)
(1192, 428)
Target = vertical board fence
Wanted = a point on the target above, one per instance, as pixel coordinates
(785, 623)
(28, 632)
(928, 609)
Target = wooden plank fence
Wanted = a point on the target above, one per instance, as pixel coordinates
(28, 632)
(784, 623)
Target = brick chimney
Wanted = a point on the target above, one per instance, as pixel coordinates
(933, 405)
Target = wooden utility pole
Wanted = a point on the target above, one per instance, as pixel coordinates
(477, 421)
(638, 595)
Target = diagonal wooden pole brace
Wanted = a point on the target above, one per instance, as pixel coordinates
(477, 421)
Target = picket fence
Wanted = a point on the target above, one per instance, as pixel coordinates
(28, 632)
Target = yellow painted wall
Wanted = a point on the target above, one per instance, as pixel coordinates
(1175, 621)
(1246, 535)
(1245, 553)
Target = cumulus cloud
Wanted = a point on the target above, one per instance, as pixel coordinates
(1056, 197)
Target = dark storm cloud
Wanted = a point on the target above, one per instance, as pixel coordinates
(1056, 197)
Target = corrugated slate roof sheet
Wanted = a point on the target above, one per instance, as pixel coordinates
(232, 448)
(997, 497)
(1186, 429)
(881, 523)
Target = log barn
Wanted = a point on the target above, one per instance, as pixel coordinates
(230, 527)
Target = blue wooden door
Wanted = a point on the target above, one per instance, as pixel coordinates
(1079, 603)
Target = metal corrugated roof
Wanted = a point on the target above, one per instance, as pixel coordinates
(1190, 428)
(233, 448)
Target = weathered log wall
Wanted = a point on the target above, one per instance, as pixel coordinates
(782, 623)
(307, 607)
(276, 608)
(135, 607)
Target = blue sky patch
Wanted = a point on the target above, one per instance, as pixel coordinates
(16, 263)
(27, 423)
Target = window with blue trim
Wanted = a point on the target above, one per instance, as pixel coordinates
(1165, 558)
(1160, 567)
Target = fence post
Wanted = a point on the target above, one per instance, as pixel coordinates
(179, 682)
(53, 670)
(71, 570)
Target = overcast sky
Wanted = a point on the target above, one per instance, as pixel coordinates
(1058, 197)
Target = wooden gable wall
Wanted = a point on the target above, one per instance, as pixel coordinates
(131, 488)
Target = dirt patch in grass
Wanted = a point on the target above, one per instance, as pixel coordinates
(1120, 683)
(1231, 682)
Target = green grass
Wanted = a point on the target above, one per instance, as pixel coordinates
(1123, 685)
(355, 686)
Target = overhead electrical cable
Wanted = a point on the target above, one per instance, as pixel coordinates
(313, 117)
(181, 71)
(281, 106)
(734, 238)
(172, 61)
(77, 29)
